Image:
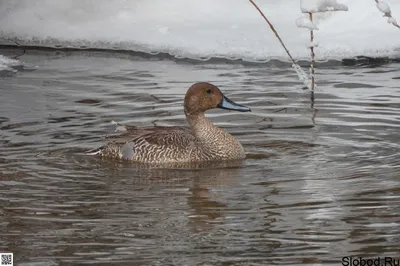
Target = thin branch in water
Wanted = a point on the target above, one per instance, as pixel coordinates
(18, 56)
(280, 110)
(315, 111)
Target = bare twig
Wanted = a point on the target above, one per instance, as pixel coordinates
(299, 71)
(312, 55)
(10, 40)
(273, 29)
(17, 43)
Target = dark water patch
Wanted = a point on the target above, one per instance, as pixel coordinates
(369, 61)
(4, 119)
(20, 125)
(64, 119)
(354, 85)
(61, 50)
(7, 73)
(89, 101)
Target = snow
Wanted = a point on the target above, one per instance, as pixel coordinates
(305, 23)
(303, 77)
(7, 63)
(313, 44)
(118, 127)
(384, 8)
(392, 21)
(314, 6)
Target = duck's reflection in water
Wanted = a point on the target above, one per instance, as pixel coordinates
(201, 180)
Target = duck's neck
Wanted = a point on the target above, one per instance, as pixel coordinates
(203, 128)
(214, 141)
(207, 133)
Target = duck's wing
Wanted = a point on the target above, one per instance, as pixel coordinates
(137, 142)
(179, 137)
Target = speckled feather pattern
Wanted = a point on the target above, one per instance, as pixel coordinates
(175, 144)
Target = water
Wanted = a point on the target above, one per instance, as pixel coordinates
(317, 185)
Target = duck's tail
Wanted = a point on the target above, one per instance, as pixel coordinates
(97, 151)
(108, 150)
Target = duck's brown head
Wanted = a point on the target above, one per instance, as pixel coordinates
(204, 96)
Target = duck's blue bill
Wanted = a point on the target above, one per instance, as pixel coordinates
(230, 105)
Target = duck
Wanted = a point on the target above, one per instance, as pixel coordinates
(202, 141)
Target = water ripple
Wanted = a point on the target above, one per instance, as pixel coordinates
(319, 182)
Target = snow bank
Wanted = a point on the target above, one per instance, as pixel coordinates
(234, 33)
(314, 6)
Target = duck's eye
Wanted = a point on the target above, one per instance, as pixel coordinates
(208, 91)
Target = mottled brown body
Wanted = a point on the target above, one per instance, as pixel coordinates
(203, 141)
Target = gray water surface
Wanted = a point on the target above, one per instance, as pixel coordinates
(318, 184)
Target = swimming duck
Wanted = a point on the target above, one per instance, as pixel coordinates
(201, 142)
